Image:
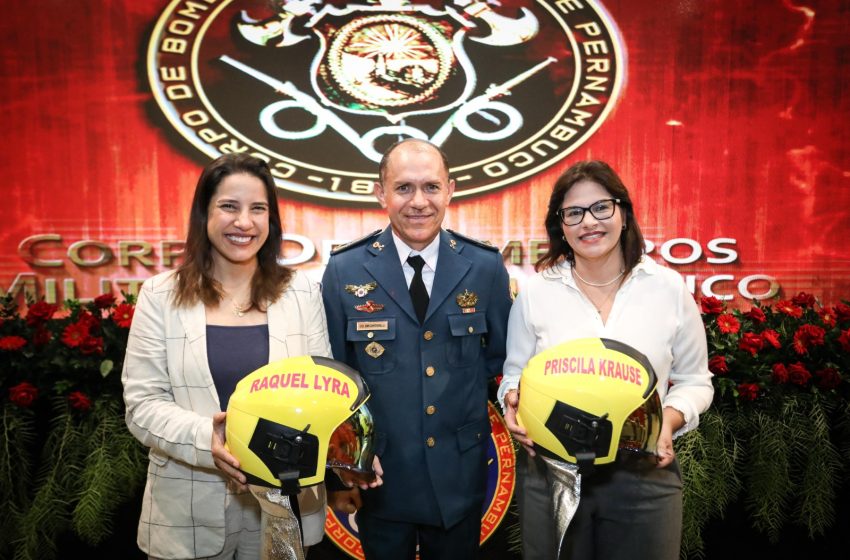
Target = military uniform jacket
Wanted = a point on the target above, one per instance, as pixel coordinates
(428, 382)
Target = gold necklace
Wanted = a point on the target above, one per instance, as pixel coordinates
(603, 284)
(240, 310)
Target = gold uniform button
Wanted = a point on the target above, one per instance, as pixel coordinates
(470, 329)
(370, 335)
(428, 335)
(430, 371)
(430, 409)
(430, 442)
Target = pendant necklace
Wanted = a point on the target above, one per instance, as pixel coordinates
(240, 310)
(599, 285)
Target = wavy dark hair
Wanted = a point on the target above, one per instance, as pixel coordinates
(631, 240)
(194, 277)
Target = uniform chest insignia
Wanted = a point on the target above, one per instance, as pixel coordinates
(374, 349)
(360, 290)
(378, 246)
(467, 300)
(369, 307)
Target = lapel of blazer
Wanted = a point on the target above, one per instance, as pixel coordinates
(194, 320)
(451, 268)
(277, 330)
(385, 268)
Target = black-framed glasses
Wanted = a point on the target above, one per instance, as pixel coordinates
(601, 210)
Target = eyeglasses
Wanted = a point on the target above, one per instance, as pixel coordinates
(601, 210)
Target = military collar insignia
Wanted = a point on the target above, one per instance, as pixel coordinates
(378, 245)
(452, 243)
(467, 300)
(369, 307)
(360, 290)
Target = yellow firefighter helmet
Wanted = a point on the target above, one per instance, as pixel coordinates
(584, 400)
(292, 418)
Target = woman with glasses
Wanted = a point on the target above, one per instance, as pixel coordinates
(595, 281)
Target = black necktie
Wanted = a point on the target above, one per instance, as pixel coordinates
(418, 292)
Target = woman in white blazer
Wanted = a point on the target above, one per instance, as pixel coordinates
(227, 310)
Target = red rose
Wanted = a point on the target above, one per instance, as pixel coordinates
(827, 317)
(40, 312)
(86, 318)
(104, 301)
(23, 394)
(788, 308)
(842, 311)
(780, 373)
(718, 366)
(844, 340)
(748, 391)
(728, 324)
(827, 378)
(806, 337)
(771, 337)
(123, 315)
(711, 305)
(79, 400)
(798, 374)
(92, 345)
(74, 334)
(12, 342)
(751, 342)
(803, 300)
(756, 315)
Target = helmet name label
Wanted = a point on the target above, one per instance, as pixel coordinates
(588, 366)
(297, 380)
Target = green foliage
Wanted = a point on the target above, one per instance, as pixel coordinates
(63, 412)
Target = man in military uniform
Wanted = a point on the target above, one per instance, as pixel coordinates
(421, 312)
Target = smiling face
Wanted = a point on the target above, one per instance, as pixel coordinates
(593, 239)
(415, 190)
(238, 220)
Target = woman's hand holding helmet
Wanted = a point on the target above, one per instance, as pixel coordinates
(673, 420)
(519, 433)
(222, 458)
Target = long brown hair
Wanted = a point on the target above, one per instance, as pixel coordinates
(631, 240)
(194, 277)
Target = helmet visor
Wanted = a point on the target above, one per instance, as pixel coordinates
(352, 445)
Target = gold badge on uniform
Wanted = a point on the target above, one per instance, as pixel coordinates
(374, 349)
(378, 246)
(452, 243)
(360, 290)
(369, 307)
(467, 300)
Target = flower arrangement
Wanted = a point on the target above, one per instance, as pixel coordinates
(777, 437)
(68, 459)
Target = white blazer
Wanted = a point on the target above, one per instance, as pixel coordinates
(170, 398)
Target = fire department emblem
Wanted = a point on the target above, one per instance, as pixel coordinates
(321, 88)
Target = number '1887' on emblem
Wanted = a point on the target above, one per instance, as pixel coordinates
(319, 90)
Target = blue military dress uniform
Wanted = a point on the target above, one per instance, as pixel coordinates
(428, 381)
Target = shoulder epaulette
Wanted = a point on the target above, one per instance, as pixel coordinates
(477, 242)
(356, 242)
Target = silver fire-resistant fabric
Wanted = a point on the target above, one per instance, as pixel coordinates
(565, 484)
(279, 530)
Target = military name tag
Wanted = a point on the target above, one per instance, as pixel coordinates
(373, 325)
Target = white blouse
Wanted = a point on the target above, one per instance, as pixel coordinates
(652, 311)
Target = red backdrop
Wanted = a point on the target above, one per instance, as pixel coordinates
(731, 126)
